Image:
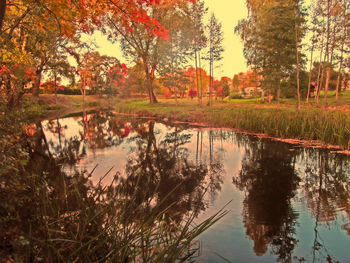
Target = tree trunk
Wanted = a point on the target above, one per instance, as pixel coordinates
(14, 95)
(297, 55)
(319, 75)
(327, 54)
(326, 87)
(318, 80)
(298, 83)
(309, 84)
(337, 89)
(210, 82)
(321, 80)
(197, 82)
(278, 95)
(55, 87)
(83, 88)
(175, 89)
(2, 12)
(197, 148)
(152, 97)
(36, 84)
(149, 84)
(200, 76)
(341, 61)
(262, 100)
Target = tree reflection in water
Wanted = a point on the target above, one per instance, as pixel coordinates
(269, 180)
(162, 170)
(164, 179)
(67, 217)
(327, 192)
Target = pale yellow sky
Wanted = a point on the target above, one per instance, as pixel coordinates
(226, 11)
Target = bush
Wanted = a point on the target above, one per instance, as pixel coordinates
(192, 93)
(235, 95)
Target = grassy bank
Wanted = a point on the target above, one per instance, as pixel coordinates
(311, 123)
(329, 127)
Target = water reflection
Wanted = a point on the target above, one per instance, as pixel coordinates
(155, 167)
(282, 185)
(326, 186)
(159, 184)
(154, 170)
(269, 180)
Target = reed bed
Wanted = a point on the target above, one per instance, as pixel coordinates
(330, 127)
(62, 220)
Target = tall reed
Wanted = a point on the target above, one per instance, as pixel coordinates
(330, 127)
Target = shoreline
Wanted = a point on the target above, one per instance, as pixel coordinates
(260, 122)
(300, 142)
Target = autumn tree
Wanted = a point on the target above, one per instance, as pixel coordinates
(107, 73)
(114, 77)
(235, 82)
(57, 69)
(176, 81)
(30, 35)
(175, 53)
(139, 43)
(136, 80)
(196, 12)
(28, 26)
(224, 87)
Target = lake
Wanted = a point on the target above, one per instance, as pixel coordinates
(286, 203)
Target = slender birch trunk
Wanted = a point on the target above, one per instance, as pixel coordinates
(200, 76)
(297, 55)
(310, 70)
(327, 54)
(197, 82)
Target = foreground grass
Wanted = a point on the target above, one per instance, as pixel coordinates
(311, 123)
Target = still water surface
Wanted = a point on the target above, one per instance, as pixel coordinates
(288, 203)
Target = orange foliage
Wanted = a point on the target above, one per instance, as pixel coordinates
(167, 94)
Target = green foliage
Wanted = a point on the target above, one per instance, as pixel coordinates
(268, 35)
(289, 86)
(235, 95)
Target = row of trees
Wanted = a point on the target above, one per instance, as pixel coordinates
(187, 38)
(273, 36)
(39, 39)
